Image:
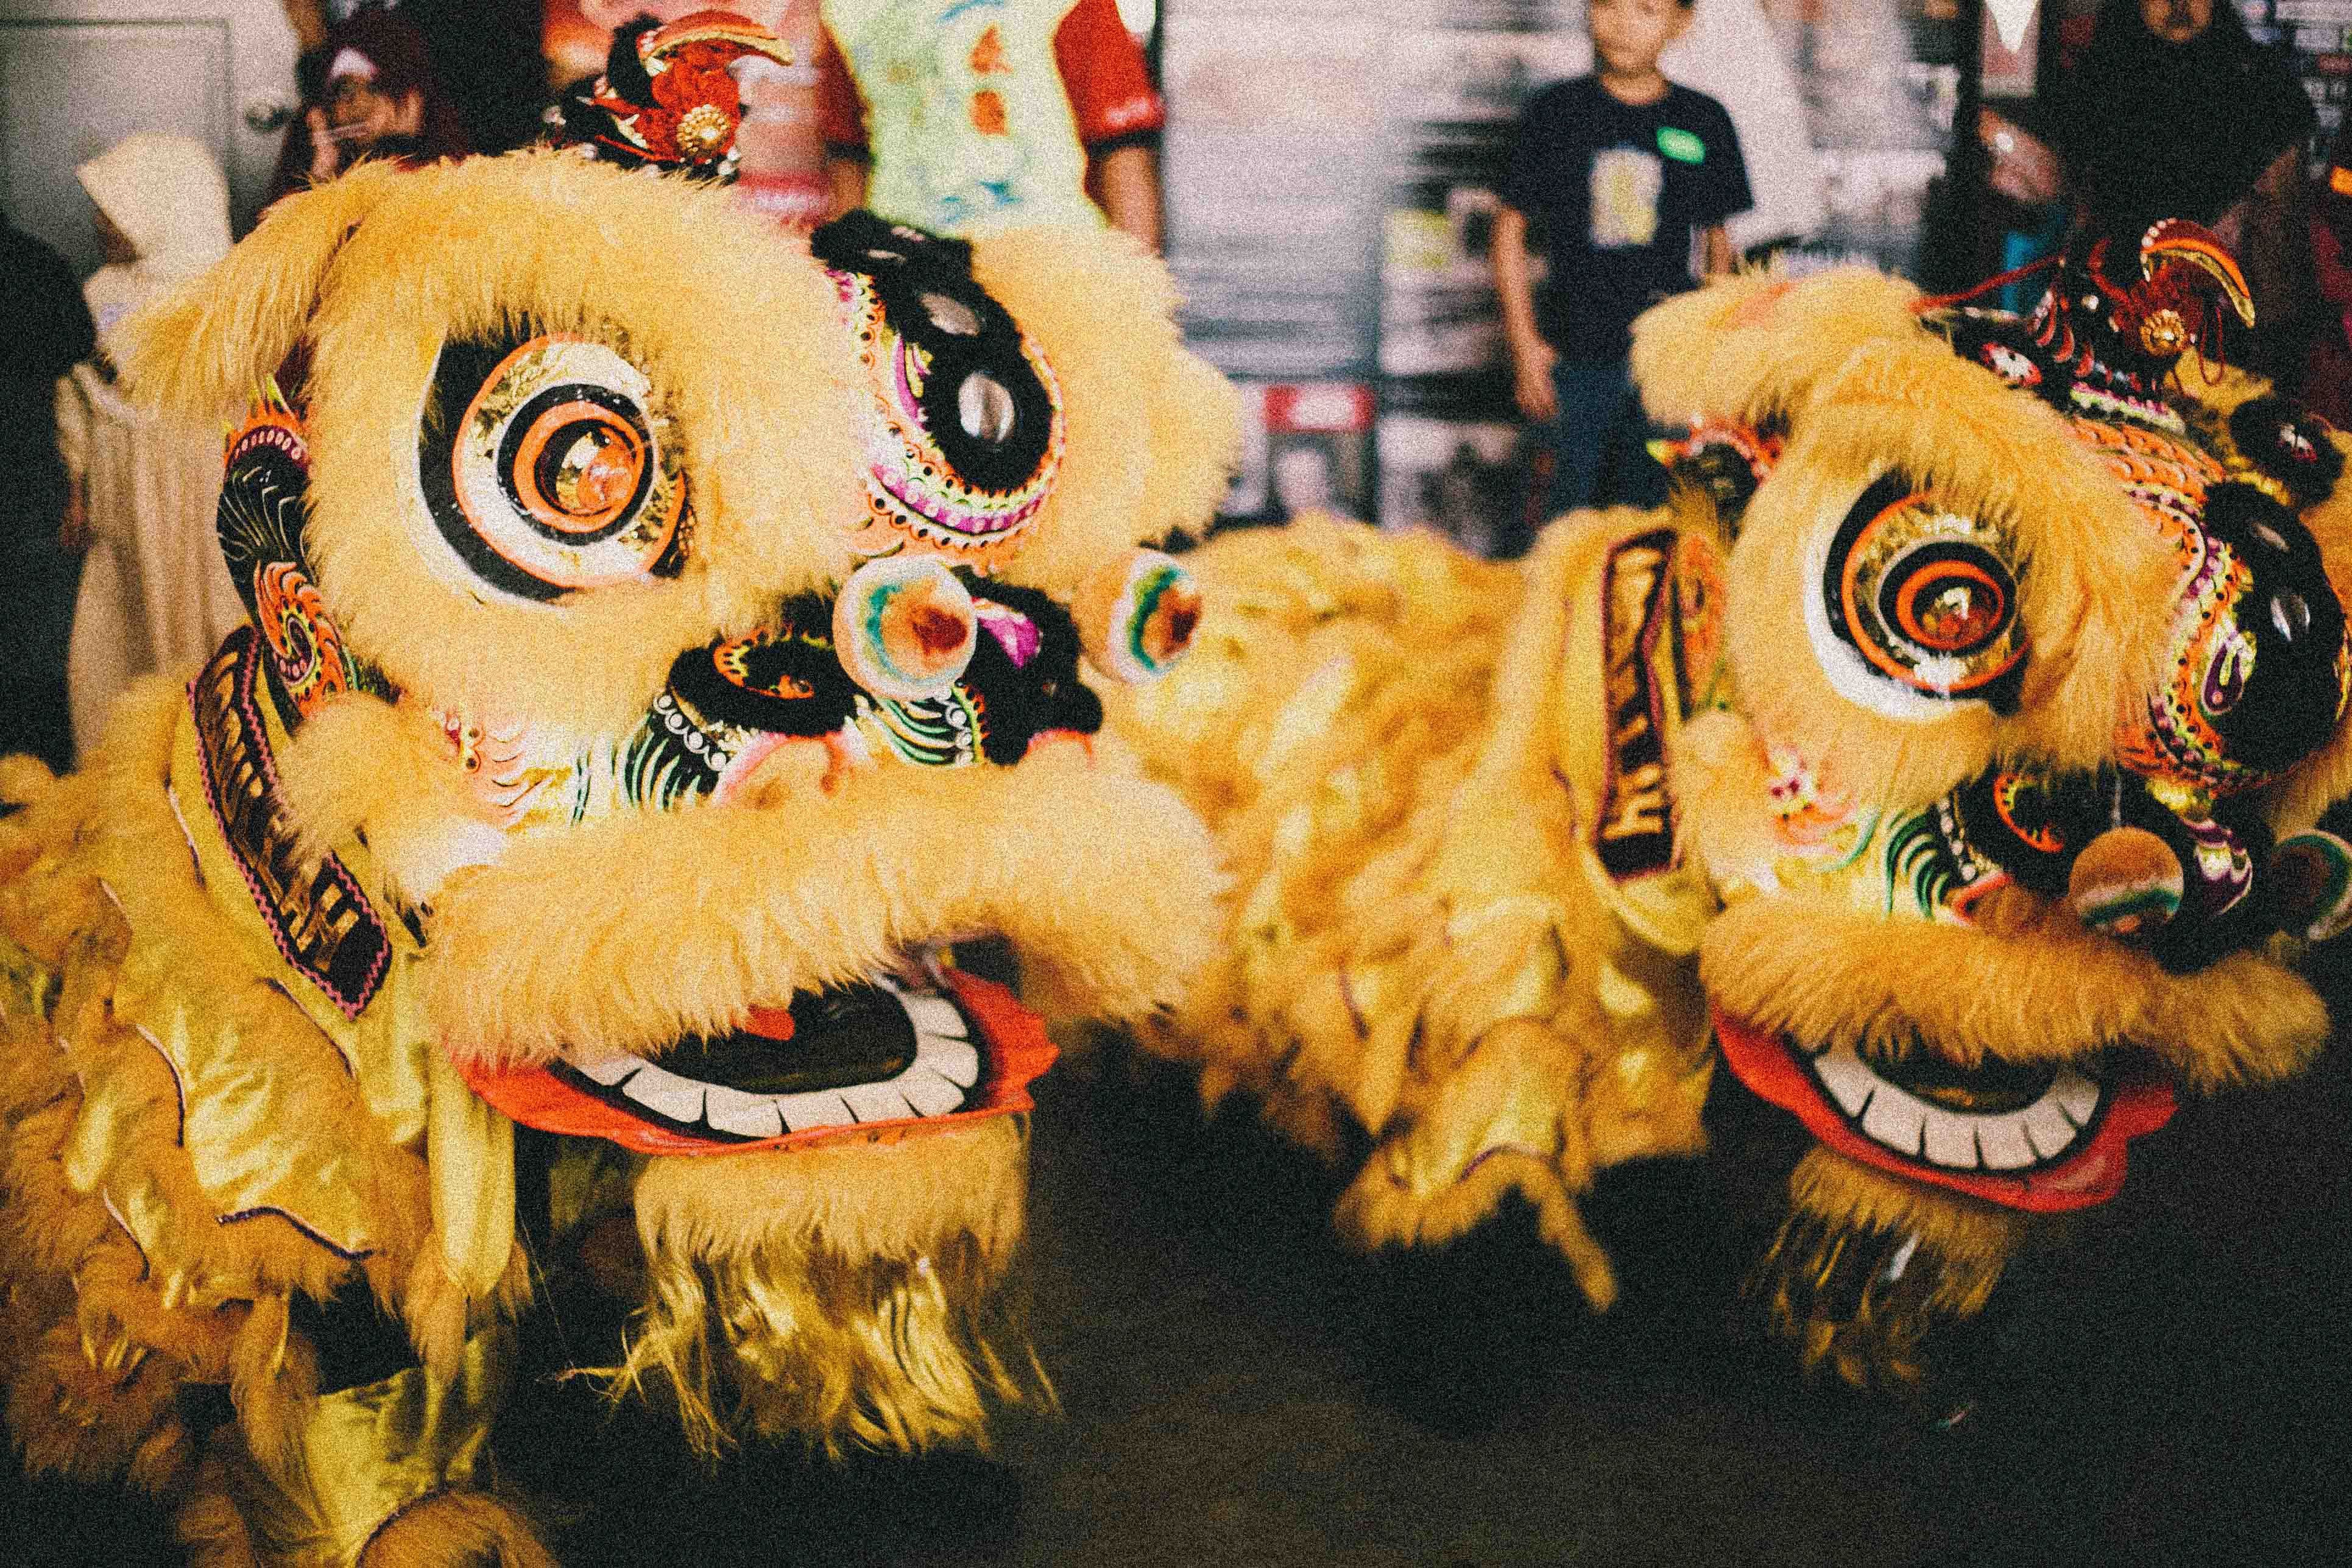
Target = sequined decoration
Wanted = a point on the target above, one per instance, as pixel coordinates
(1929, 860)
(261, 520)
(305, 651)
(943, 732)
(963, 419)
(2209, 661)
(2166, 477)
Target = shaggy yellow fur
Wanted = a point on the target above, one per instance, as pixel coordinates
(1099, 880)
(129, 1144)
(456, 1527)
(1866, 1266)
(846, 1292)
(104, 1191)
(743, 347)
(1756, 345)
(1394, 745)
(1414, 943)
(2046, 992)
(361, 763)
(1125, 381)
(205, 349)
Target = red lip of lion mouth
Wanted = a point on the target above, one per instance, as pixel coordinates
(2057, 1143)
(877, 1061)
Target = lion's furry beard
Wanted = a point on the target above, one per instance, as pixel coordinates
(842, 1292)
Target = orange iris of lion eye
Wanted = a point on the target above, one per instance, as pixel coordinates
(1955, 606)
(579, 467)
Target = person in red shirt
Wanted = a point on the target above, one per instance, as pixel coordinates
(945, 115)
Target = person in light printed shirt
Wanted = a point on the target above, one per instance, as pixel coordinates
(143, 491)
(965, 116)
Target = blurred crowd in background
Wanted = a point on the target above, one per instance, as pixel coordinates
(2140, 109)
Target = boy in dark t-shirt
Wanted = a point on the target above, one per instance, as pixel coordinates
(1627, 175)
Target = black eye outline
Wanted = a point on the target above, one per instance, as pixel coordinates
(483, 478)
(1896, 546)
(2285, 444)
(2259, 528)
(996, 458)
(955, 329)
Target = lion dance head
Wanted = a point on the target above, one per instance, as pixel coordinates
(2036, 672)
(667, 642)
(1950, 753)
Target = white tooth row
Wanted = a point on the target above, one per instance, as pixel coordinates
(946, 1066)
(1958, 1140)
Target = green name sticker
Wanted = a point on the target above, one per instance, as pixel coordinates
(1681, 146)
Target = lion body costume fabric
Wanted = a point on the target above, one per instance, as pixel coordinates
(1947, 752)
(666, 641)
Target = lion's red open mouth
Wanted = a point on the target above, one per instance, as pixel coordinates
(2024, 1136)
(878, 1059)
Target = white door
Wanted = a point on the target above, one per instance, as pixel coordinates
(76, 76)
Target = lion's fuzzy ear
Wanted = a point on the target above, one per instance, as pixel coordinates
(1196, 431)
(1151, 428)
(1748, 348)
(200, 351)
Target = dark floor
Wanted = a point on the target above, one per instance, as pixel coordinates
(2174, 1390)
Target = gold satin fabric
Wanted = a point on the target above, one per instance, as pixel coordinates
(372, 1450)
(366, 1453)
(237, 1063)
(1667, 911)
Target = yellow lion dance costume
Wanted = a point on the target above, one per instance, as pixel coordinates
(666, 641)
(1947, 754)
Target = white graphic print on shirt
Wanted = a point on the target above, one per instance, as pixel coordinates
(1626, 184)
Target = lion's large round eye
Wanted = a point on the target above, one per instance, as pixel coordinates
(578, 464)
(1927, 595)
(547, 469)
(1947, 603)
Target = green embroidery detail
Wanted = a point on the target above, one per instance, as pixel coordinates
(1681, 146)
(1149, 594)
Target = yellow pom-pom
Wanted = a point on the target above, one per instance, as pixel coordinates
(2126, 880)
(904, 627)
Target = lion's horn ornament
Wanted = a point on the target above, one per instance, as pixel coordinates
(666, 98)
(2177, 241)
(2187, 278)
